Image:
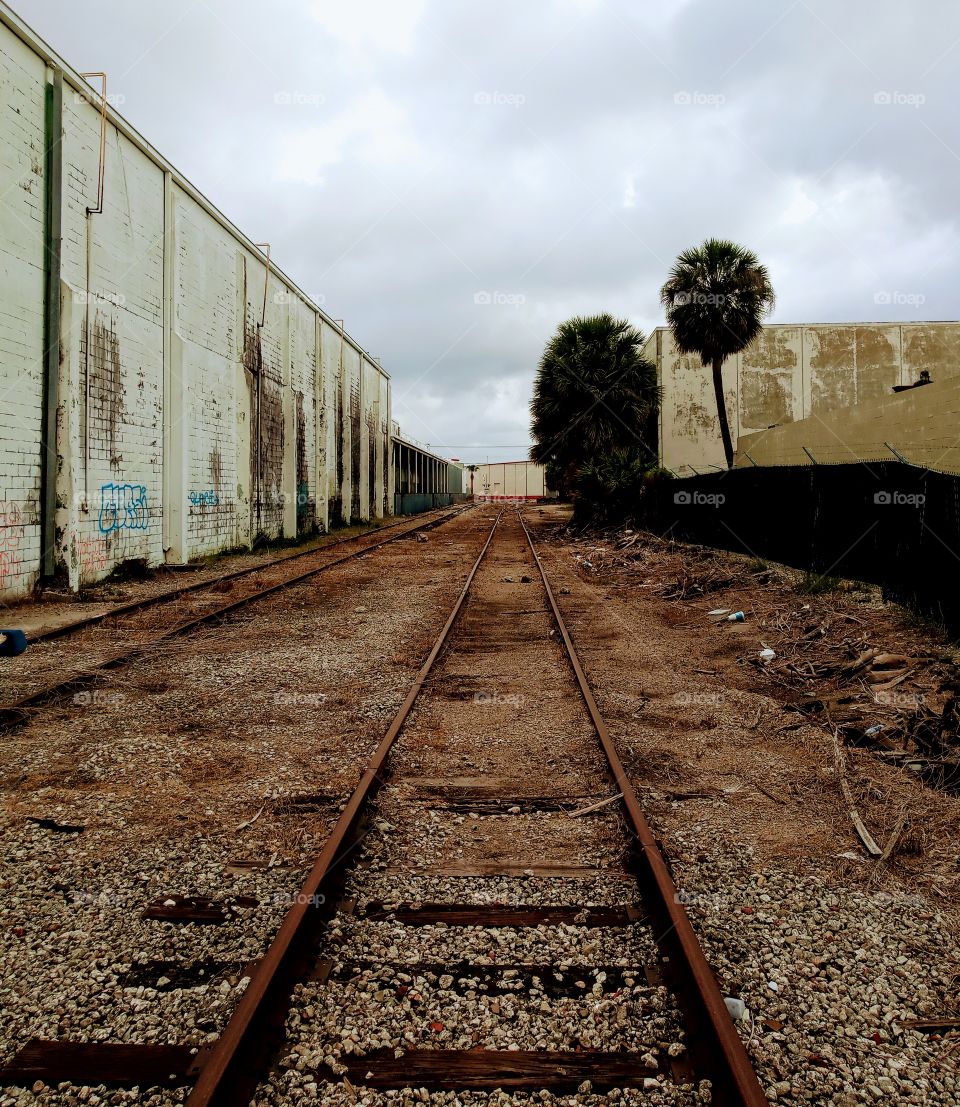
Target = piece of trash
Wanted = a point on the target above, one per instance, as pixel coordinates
(736, 617)
(767, 655)
(736, 1007)
(719, 611)
(169, 903)
(773, 986)
(421, 537)
(12, 643)
(52, 824)
(875, 729)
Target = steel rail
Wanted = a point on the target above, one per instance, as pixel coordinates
(714, 1041)
(13, 713)
(46, 635)
(226, 1072)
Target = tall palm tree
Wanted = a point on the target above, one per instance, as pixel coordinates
(594, 392)
(716, 298)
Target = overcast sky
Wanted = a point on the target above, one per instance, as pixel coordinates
(454, 179)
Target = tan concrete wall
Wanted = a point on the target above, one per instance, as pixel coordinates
(922, 425)
(790, 372)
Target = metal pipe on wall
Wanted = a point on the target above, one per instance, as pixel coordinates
(53, 240)
(91, 211)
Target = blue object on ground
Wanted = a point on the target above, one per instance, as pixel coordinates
(12, 642)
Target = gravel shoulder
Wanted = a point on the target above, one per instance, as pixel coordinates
(832, 951)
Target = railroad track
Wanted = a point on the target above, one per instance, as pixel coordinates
(490, 909)
(51, 668)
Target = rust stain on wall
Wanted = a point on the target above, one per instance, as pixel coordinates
(306, 508)
(266, 431)
(336, 508)
(766, 398)
(354, 451)
(106, 391)
(372, 498)
(385, 434)
(877, 362)
(216, 468)
(773, 349)
(935, 348)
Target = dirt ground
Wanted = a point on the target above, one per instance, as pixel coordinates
(698, 712)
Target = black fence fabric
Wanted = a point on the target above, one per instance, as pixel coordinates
(892, 524)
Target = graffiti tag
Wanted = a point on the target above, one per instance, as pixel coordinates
(206, 498)
(122, 507)
(11, 537)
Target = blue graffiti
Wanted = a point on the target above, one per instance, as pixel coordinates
(206, 498)
(123, 507)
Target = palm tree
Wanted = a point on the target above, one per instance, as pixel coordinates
(594, 392)
(716, 298)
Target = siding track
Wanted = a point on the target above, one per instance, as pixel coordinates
(469, 924)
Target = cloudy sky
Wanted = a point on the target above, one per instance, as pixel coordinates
(455, 178)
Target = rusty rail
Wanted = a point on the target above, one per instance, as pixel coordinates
(14, 712)
(715, 1045)
(226, 1073)
(171, 594)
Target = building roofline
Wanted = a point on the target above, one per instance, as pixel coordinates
(71, 77)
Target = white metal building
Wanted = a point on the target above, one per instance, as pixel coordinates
(165, 390)
(509, 480)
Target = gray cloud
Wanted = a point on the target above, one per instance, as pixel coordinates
(455, 179)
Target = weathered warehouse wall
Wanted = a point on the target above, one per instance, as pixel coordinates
(920, 424)
(22, 91)
(790, 373)
(203, 399)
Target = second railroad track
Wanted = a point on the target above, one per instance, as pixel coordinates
(490, 910)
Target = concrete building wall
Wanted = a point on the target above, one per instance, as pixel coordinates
(203, 400)
(510, 480)
(790, 372)
(22, 141)
(920, 424)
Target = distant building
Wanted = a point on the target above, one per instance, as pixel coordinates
(509, 480)
(790, 372)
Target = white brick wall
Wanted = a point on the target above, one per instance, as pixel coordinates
(22, 84)
(209, 422)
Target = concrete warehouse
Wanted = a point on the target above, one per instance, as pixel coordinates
(790, 372)
(168, 391)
